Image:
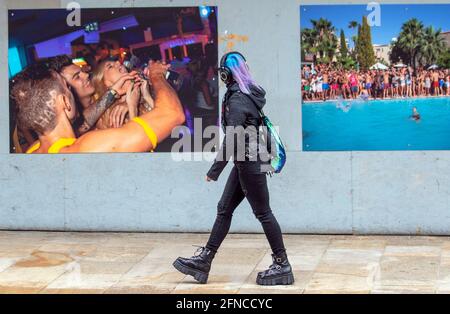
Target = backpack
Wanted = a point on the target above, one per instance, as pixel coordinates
(274, 145)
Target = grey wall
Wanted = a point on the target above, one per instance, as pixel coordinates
(332, 192)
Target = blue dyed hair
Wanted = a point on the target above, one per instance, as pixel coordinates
(241, 73)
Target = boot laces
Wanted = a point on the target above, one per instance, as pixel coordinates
(199, 250)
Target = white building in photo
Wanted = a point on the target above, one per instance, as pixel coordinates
(382, 53)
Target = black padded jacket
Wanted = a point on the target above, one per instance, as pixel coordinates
(239, 109)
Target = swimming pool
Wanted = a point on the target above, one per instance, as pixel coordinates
(376, 125)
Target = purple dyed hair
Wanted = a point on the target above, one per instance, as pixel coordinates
(241, 73)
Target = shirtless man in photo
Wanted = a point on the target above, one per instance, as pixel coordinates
(368, 84)
(325, 86)
(46, 106)
(386, 87)
(435, 79)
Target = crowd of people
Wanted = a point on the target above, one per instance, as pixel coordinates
(323, 82)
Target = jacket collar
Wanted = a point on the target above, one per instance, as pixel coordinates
(233, 87)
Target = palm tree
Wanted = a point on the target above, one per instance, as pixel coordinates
(343, 45)
(444, 59)
(411, 39)
(329, 46)
(323, 27)
(308, 37)
(308, 41)
(353, 24)
(397, 53)
(433, 45)
(325, 37)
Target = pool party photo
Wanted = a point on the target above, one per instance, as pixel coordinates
(375, 77)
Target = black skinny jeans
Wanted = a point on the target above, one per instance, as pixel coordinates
(246, 181)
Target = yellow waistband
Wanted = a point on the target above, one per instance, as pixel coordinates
(56, 146)
(148, 130)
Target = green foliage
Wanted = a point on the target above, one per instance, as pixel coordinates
(410, 40)
(444, 59)
(343, 45)
(382, 61)
(319, 41)
(353, 24)
(347, 62)
(397, 53)
(308, 42)
(364, 49)
(418, 45)
(433, 46)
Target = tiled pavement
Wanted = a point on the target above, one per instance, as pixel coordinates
(68, 262)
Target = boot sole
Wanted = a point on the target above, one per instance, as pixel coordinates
(200, 276)
(287, 279)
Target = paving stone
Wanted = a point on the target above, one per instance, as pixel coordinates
(72, 263)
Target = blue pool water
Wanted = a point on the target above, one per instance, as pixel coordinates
(376, 125)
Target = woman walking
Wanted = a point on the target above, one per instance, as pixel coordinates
(240, 111)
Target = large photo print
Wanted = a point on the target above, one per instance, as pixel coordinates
(112, 80)
(375, 77)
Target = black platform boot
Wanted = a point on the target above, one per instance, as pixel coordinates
(197, 266)
(279, 273)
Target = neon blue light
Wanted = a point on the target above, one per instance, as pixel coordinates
(14, 64)
(205, 11)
